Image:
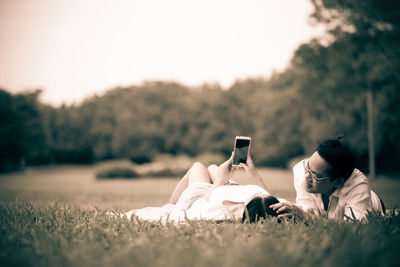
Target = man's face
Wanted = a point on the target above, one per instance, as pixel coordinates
(317, 175)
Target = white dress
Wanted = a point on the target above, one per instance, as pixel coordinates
(191, 204)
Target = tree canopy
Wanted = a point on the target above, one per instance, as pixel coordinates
(320, 95)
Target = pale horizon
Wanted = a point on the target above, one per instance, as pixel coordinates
(74, 49)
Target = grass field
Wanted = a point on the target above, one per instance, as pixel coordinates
(77, 185)
(56, 216)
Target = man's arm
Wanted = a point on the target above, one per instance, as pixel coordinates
(305, 205)
(303, 198)
(289, 209)
(358, 202)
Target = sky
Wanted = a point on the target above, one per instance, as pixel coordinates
(73, 49)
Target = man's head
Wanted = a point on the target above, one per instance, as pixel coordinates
(339, 157)
(329, 167)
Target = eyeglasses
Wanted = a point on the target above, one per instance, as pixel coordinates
(313, 174)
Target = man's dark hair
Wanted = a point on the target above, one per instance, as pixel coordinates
(338, 156)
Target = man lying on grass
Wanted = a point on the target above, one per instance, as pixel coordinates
(328, 185)
(211, 194)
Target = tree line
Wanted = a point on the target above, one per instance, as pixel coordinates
(322, 94)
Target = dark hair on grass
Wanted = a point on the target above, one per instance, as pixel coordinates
(338, 156)
(259, 208)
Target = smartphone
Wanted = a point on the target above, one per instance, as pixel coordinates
(241, 150)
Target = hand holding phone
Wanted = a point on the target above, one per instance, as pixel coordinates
(241, 150)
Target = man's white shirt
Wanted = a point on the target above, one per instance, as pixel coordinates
(353, 200)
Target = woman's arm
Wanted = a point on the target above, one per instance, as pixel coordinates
(251, 169)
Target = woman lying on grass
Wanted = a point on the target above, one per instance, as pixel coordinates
(211, 194)
(327, 185)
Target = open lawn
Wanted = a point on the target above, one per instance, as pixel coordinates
(56, 216)
(77, 185)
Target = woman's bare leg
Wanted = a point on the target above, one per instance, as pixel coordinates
(196, 173)
(183, 183)
(221, 173)
(213, 171)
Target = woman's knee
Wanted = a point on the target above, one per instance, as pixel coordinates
(212, 167)
(198, 165)
(198, 173)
